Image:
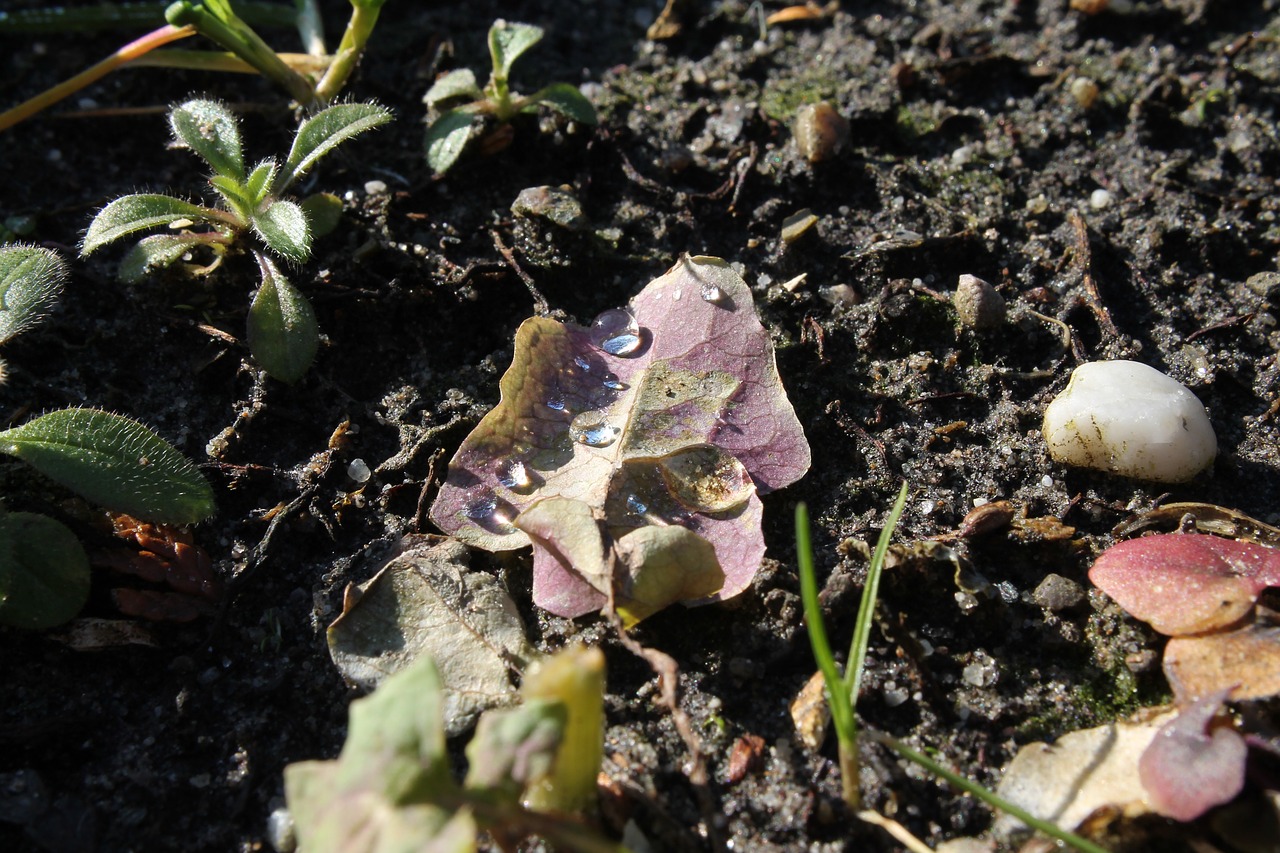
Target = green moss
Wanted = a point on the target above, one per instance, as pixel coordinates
(913, 122)
(782, 97)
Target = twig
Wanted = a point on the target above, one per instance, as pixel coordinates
(1084, 261)
(540, 305)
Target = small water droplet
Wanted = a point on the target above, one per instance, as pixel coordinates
(616, 332)
(713, 294)
(482, 508)
(491, 514)
(592, 429)
(676, 294)
(636, 505)
(556, 403)
(582, 363)
(611, 382)
(515, 476)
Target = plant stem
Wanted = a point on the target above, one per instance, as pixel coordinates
(364, 15)
(213, 60)
(130, 51)
(990, 798)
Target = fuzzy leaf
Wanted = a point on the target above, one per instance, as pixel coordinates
(44, 571)
(324, 211)
(446, 139)
(1192, 765)
(671, 412)
(565, 98)
(425, 603)
(1186, 583)
(132, 213)
(507, 41)
(283, 333)
(259, 182)
(460, 83)
(325, 131)
(155, 252)
(210, 130)
(30, 280)
(283, 227)
(376, 796)
(113, 461)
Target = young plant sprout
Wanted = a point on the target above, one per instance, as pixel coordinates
(842, 688)
(449, 134)
(283, 334)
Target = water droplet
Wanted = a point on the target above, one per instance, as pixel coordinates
(676, 294)
(616, 332)
(713, 294)
(611, 382)
(706, 479)
(556, 403)
(482, 509)
(636, 505)
(582, 363)
(515, 476)
(593, 430)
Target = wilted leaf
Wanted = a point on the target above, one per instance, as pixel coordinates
(30, 280)
(1245, 662)
(507, 40)
(133, 213)
(1193, 765)
(377, 796)
(325, 131)
(283, 333)
(211, 131)
(156, 252)
(460, 83)
(44, 571)
(565, 98)
(446, 139)
(113, 461)
(424, 602)
(668, 413)
(1082, 772)
(664, 565)
(1186, 583)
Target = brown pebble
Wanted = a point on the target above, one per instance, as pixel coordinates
(820, 131)
(745, 757)
(977, 303)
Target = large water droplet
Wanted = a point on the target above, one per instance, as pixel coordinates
(593, 429)
(712, 293)
(490, 514)
(706, 479)
(616, 332)
(515, 476)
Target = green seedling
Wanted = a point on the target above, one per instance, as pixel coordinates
(449, 134)
(107, 459)
(283, 334)
(30, 281)
(842, 688)
(392, 789)
(311, 78)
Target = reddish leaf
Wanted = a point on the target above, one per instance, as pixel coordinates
(1244, 662)
(670, 412)
(1186, 583)
(1192, 765)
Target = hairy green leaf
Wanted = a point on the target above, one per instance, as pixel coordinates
(210, 130)
(283, 227)
(460, 83)
(324, 211)
(377, 795)
(260, 180)
(30, 280)
(113, 461)
(44, 571)
(325, 131)
(235, 194)
(446, 138)
(156, 252)
(507, 41)
(565, 99)
(132, 213)
(283, 333)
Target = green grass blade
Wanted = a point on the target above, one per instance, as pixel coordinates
(841, 710)
(866, 610)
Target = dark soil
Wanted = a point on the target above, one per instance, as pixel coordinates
(969, 153)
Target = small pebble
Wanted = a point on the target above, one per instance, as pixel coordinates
(1099, 199)
(820, 131)
(1130, 419)
(1058, 593)
(977, 303)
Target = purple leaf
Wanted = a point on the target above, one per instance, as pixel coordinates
(1192, 765)
(1186, 583)
(668, 412)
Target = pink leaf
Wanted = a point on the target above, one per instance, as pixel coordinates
(1192, 765)
(669, 412)
(1186, 583)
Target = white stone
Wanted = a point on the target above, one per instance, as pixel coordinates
(1130, 419)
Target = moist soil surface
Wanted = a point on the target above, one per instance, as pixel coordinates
(1113, 176)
